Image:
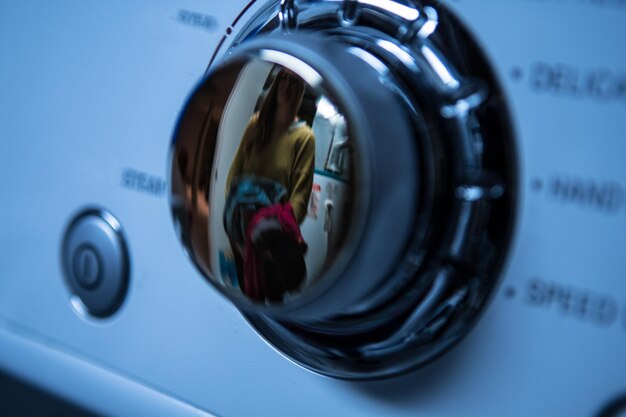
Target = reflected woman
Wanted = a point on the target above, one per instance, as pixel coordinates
(277, 145)
(269, 184)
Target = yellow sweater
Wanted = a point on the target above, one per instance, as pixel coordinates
(288, 160)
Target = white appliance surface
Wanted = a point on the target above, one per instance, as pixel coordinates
(90, 92)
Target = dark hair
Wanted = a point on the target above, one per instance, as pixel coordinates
(267, 111)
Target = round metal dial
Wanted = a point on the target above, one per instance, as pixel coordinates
(345, 175)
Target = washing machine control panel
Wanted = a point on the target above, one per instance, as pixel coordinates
(428, 183)
(355, 207)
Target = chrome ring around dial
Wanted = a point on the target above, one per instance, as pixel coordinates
(420, 158)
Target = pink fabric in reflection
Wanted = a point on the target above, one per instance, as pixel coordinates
(254, 279)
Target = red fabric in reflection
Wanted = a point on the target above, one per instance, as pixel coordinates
(255, 282)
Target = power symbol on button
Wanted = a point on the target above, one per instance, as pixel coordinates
(87, 266)
(95, 262)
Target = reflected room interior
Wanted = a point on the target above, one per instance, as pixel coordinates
(280, 186)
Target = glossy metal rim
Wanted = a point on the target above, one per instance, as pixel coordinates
(403, 355)
(406, 349)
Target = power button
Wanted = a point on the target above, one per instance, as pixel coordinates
(87, 266)
(95, 262)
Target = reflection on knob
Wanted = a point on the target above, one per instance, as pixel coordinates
(351, 194)
(275, 124)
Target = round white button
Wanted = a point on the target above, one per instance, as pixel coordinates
(95, 261)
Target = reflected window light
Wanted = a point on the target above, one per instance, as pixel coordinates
(405, 12)
(325, 108)
(305, 71)
(370, 59)
(440, 68)
(431, 24)
(399, 53)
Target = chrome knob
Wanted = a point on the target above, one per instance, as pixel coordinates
(351, 193)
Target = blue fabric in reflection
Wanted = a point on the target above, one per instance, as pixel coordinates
(246, 196)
